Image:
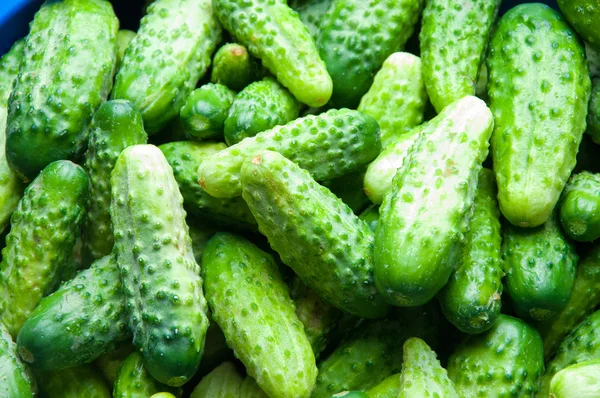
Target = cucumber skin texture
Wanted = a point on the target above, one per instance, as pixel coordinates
(482, 363)
(185, 157)
(389, 388)
(329, 145)
(583, 16)
(82, 320)
(150, 230)
(76, 382)
(51, 211)
(65, 74)
(116, 125)
(236, 275)
(17, 381)
(540, 265)
(580, 380)
(273, 32)
(204, 113)
(539, 118)
(453, 40)
(397, 97)
(314, 232)
(355, 38)
(593, 117)
(223, 382)
(134, 381)
(371, 217)
(311, 13)
(234, 67)
(412, 263)
(170, 53)
(580, 207)
(471, 299)
(124, 37)
(259, 107)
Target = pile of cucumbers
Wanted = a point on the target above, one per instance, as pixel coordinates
(303, 198)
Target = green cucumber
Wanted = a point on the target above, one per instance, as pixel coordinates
(134, 381)
(170, 53)
(124, 37)
(110, 363)
(160, 277)
(539, 114)
(116, 125)
(507, 360)
(583, 15)
(65, 74)
(436, 185)
(251, 303)
(471, 299)
(259, 107)
(273, 32)
(371, 217)
(453, 41)
(314, 232)
(311, 13)
(349, 188)
(223, 382)
(78, 382)
(43, 231)
(389, 388)
(329, 145)
(249, 389)
(579, 207)
(234, 67)
(17, 380)
(579, 380)
(593, 117)
(204, 113)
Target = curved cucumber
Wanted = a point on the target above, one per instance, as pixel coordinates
(204, 113)
(593, 117)
(389, 388)
(580, 207)
(77, 382)
(234, 67)
(579, 380)
(311, 13)
(134, 381)
(223, 382)
(17, 381)
(583, 15)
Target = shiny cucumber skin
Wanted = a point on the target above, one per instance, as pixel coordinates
(160, 277)
(259, 107)
(134, 381)
(234, 67)
(314, 232)
(223, 382)
(311, 13)
(116, 125)
(66, 73)
(583, 15)
(579, 207)
(471, 299)
(507, 360)
(273, 32)
(541, 266)
(170, 53)
(82, 320)
(76, 382)
(16, 380)
(436, 185)
(251, 303)
(454, 40)
(356, 37)
(328, 145)
(539, 89)
(593, 117)
(51, 211)
(397, 97)
(204, 113)
(389, 388)
(579, 380)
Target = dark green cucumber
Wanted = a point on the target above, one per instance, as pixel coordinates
(110, 363)
(223, 382)
(349, 188)
(579, 207)
(311, 13)
(204, 113)
(16, 381)
(77, 382)
(160, 277)
(116, 125)
(134, 381)
(44, 228)
(371, 217)
(593, 117)
(66, 73)
(583, 15)
(234, 67)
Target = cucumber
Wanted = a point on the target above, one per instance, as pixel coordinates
(593, 116)
(134, 381)
(223, 382)
(389, 388)
(116, 125)
(356, 37)
(65, 74)
(77, 382)
(170, 53)
(371, 217)
(471, 299)
(204, 113)
(160, 277)
(17, 380)
(583, 16)
(397, 97)
(273, 32)
(314, 232)
(436, 185)
(110, 363)
(311, 13)
(580, 380)
(539, 117)
(249, 389)
(124, 37)
(234, 67)
(259, 107)
(507, 360)
(43, 231)
(453, 41)
(349, 188)
(580, 207)
(250, 302)
(329, 145)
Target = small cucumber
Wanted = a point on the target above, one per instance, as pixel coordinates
(223, 382)
(583, 15)
(16, 379)
(78, 382)
(579, 380)
(389, 388)
(580, 207)
(249, 389)
(110, 363)
(134, 381)
(234, 67)
(124, 37)
(371, 217)
(593, 117)
(311, 13)
(204, 113)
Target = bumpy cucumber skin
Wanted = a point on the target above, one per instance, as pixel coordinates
(66, 73)
(397, 97)
(249, 389)
(272, 31)
(583, 15)
(134, 381)
(329, 145)
(507, 360)
(389, 388)
(580, 207)
(259, 107)
(44, 227)
(160, 277)
(579, 380)
(453, 40)
(234, 67)
(110, 363)
(204, 113)
(356, 37)
(371, 217)
(262, 329)
(75, 382)
(185, 157)
(82, 320)
(593, 117)
(311, 13)
(314, 232)
(163, 62)
(116, 125)
(471, 299)
(349, 188)
(124, 37)
(539, 117)
(223, 382)
(540, 265)
(16, 379)
(436, 185)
